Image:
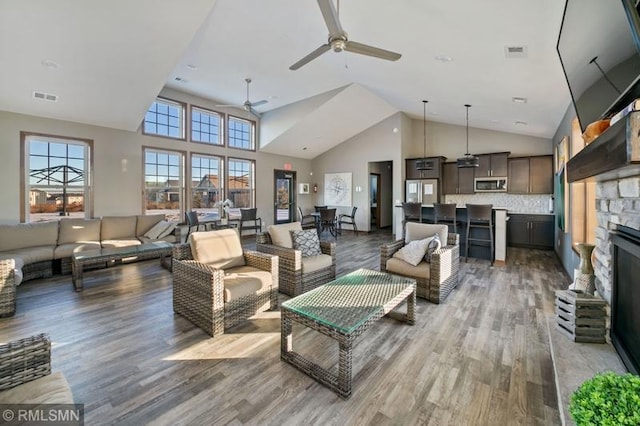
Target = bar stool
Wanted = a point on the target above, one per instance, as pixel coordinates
(412, 213)
(479, 216)
(446, 213)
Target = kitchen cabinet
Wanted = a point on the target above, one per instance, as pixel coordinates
(531, 231)
(435, 172)
(457, 180)
(530, 175)
(492, 165)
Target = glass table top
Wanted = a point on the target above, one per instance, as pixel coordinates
(350, 300)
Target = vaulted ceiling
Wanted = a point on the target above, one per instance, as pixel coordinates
(107, 61)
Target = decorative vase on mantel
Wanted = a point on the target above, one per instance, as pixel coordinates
(585, 279)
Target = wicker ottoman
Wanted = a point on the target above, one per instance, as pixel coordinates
(10, 276)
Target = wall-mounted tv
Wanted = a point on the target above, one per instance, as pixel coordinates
(599, 48)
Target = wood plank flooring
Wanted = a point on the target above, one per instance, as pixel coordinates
(480, 358)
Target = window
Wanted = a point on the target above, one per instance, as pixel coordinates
(206, 126)
(206, 183)
(241, 133)
(583, 198)
(164, 118)
(57, 178)
(240, 182)
(163, 183)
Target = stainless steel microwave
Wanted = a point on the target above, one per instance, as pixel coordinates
(490, 184)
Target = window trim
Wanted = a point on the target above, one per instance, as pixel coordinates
(253, 175)
(223, 124)
(184, 120)
(223, 161)
(183, 154)
(88, 211)
(254, 125)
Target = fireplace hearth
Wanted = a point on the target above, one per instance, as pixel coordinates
(625, 297)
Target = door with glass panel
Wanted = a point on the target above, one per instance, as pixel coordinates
(284, 194)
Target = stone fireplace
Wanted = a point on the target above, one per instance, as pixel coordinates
(618, 218)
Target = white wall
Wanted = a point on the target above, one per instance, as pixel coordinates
(450, 141)
(118, 191)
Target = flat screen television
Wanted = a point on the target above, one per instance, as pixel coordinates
(599, 48)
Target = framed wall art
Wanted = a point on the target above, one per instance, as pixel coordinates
(337, 189)
(303, 189)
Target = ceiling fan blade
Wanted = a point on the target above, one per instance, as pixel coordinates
(310, 57)
(363, 49)
(231, 106)
(262, 102)
(254, 112)
(330, 16)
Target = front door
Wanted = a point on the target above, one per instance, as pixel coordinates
(284, 193)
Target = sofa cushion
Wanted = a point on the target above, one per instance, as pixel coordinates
(157, 229)
(66, 250)
(79, 230)
(50, 389)
(280, 234)
(144, 222)
(413, 252)
(168, 230)
(420, 231)
(244, 281)
(306, 241)
(397, 266)
(315, 263)
(121, 242)
(221, 249)
(118, 227)
(28, 235)
(31, 255)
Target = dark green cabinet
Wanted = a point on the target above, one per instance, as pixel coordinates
(531, 231)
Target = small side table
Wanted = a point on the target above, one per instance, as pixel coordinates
(580, 316)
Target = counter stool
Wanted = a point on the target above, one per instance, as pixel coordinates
(412, 213)
(446, 214)
(479, 216)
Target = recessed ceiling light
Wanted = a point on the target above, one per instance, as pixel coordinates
(443, 58)
(191, 67)
(521, 123)
(50, 63)
(519, 100)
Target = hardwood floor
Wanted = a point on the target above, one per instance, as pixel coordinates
(480, 358)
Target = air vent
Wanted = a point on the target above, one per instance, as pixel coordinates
(515, 51)
(45, 96)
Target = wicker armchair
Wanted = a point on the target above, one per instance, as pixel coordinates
(25, 373)
(435, 280)
(216, 296)
(293, 281)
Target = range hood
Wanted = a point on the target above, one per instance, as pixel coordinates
(615, 154)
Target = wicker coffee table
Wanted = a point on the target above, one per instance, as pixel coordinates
(80, 259)
(343, 309)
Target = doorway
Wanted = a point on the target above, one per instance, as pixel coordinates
(284, 196)
(374, 185)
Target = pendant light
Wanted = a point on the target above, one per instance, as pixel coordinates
(468, 160)
(424, 164)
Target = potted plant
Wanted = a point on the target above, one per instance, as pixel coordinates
(607, 399)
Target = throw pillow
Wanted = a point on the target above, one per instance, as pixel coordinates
(156, 230)
(170, 227)
(413, 252)
(434, 244)
(307, 242)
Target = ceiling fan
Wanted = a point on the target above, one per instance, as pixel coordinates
(338, 40)
(248, 105)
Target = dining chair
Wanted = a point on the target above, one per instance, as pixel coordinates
(328, 222)
(348, 219)
(307, 221)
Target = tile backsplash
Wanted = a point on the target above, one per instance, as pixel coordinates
(514, 203)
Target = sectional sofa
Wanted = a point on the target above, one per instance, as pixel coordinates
(42, 249)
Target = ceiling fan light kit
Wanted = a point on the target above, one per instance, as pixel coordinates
(339, 41)
(467, 160)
